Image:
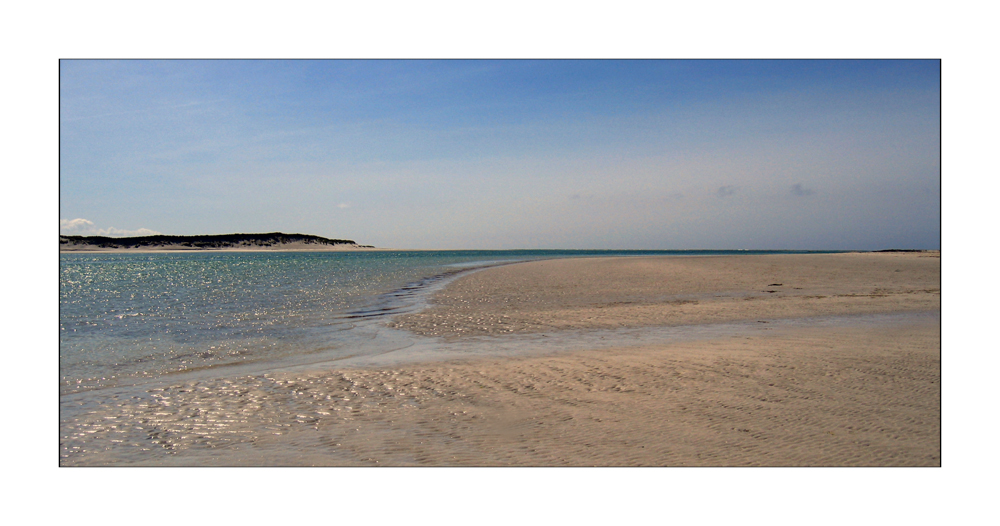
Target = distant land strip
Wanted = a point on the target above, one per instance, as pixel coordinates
(205, 242)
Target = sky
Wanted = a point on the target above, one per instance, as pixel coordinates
(493, 154)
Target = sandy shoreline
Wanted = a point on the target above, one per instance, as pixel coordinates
(806, 396)
(831, 397)
(795, 396)
(775, 394)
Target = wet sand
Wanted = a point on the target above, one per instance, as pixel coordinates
(792, 395)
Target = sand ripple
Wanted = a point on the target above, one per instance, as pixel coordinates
(799, 397)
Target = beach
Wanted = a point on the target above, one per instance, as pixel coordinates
(804, 360)
(846, 395)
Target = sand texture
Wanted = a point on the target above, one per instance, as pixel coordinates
(771, 394)
(803, 397)
(654, 291)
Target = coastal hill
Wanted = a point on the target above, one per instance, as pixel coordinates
(271, 241)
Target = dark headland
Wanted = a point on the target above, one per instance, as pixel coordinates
(271, 241)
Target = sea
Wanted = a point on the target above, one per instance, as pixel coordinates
(129, 322)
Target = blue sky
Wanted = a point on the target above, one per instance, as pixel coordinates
(508, 154)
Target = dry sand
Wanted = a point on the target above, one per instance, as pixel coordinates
(782, 394)
(844, 397)
(655, 291)
(798, 396)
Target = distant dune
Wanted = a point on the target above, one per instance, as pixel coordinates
(272, 241)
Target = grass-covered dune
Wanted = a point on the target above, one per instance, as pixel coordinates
(220, 241)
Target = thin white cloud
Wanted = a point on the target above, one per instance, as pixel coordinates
(85, 227)
(74, 225)
(344, 205)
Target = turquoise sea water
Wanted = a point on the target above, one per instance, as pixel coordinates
(127, 318)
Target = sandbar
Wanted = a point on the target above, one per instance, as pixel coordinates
(617, 292)
(849, 394)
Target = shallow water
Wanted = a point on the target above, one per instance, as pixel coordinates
(129, 317)
(133, 324)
